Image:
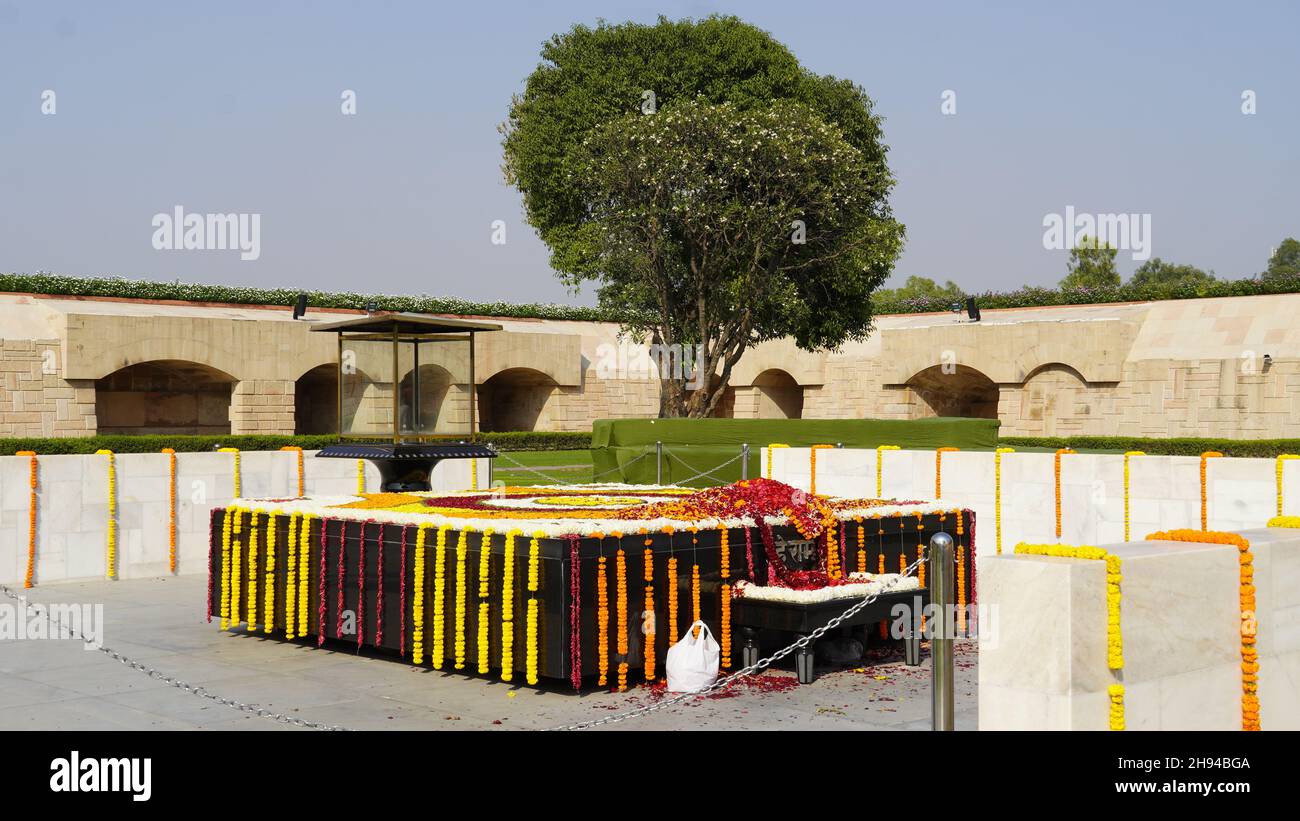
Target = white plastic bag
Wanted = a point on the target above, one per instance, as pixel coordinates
(693, 662)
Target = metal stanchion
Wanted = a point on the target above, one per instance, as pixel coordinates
(744, 461)
(940, 578)
(659, 463)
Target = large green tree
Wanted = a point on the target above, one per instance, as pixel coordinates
(1156, 271)
(917, 288)
(1285, 261)
(1091, 265)
(716, 192)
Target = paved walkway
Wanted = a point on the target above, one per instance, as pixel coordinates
(57, 685)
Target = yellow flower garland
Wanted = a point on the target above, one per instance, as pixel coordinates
(1205, 505)
(1281, 460)
(473, 474)
(1114, 634)
(462, 550)
(1057, 473)
(237, 568)
(938, 470)
(417, 598)
(225, 567)
(250, 612)
(171, 509)
(302, 490)
(304, 573)
(812, 467)
(534, 572)
(997, 493)
(268, 615)
(291, 578)
(1284, 521)
(484, 605)
(508, 607)
(437, 653)
(112, 512)
(880, 468)
(771, 448)
(1127, 519)
(361, 476)
(238, 479)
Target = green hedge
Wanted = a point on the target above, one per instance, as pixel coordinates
(142, 289)
(1176, 446)
(514, 441)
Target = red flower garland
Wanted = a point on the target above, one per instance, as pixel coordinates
(320, 613)
(749, 552)
(575, 611)
(339, 573)
(361, 585)
(379, 601)
(401, 640)
(211, 550)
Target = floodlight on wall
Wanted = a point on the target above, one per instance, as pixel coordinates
(972, 309)
(300, 306)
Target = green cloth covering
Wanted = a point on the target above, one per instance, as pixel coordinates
(623, 450)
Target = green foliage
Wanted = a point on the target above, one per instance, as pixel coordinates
(1285, 261)
(1156, 271)
(1091, 265)
(48, 446)
(684, 212)
(1173, 446)
(54, 284)
(922, 291)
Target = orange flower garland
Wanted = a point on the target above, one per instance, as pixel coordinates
(938, 470)
(672, 600)
(1205, 507)
(648, 615)
(171, 509)
(1248, 627)
(862, 546)
(31, 518)
(620, 612)
(1057, 472)
(961, 575)
(724, 594)
(602, 619)
(880, 568)
(695, 593)
(302, 491)
(812, 467)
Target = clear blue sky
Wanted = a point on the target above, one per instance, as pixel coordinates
(1108, 107)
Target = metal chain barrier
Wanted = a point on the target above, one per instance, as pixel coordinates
(251, 709)
(517, 465)
(708, 473)
(748, 671)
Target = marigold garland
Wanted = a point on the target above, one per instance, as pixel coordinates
(833, 570)
(695, 593)
(771, 448)
(31, 519)
(171, 509)
(602, 621)
(361, 582)
(961, 574)
(379, 583)
(862, 547)
(1281, 460)
(880, 468)
(575, 613)
(938, 470)
(1116, 695)
(320, 598)
(236, 573)
(620, 615)
(812, 467)
(462, 551)
(1205, 506)
(534, 569)
(304, 572)
(112, 512)
(226, 524)
(1248, 627)
(1127, 520)
(238, 482)
(417, 598)
(997, 492)
(1057, 473)
(437, 653)
(302, 485)
(482, 639)
(648, 615)
(1284, 521)
(268, 598)
(508, 607)
(1114, 633)
(361, 476)
(250, 612)
(880, 568)
(672, 600)
(291, 578)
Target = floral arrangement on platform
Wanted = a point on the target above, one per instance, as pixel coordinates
(856, 586)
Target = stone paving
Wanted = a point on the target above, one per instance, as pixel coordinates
(56, 685)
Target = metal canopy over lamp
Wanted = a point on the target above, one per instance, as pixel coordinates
(406, 387)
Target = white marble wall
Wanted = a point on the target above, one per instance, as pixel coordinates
(72, 506)
(1044, 666)
(1165, 491)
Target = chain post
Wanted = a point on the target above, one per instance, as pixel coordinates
(941, 624)
(744, 461)
(659, 463)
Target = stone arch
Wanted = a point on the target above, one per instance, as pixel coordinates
(164, 396)
(515, 399)
(436, 384)
(956, 390)
(315, 400)
(777, 395)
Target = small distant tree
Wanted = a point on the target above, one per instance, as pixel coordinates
(1285, 261)
(1091, 265)
(1156, 271)
(924, 288)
